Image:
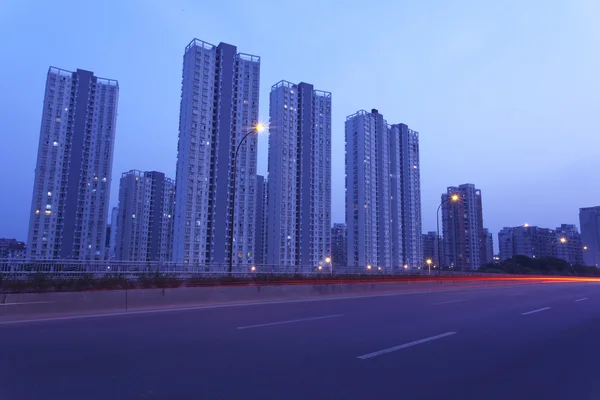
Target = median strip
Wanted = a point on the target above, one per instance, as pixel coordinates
(406, 345)
(535, 311)
(291, 321)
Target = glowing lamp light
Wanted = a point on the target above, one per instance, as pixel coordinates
(369, 267)
(260, 127)
(253, 268)
(454, 197)
(327, 260)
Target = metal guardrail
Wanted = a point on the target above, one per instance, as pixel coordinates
(70, 268)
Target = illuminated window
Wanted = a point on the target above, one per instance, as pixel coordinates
(48, 212)
(49, 194)
(48, 207)
(37, 212)
(55, 144)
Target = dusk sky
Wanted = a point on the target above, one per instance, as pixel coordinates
(503, 93)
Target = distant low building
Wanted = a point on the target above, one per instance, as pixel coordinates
(529, 241)
(568, 244)
(11, 249)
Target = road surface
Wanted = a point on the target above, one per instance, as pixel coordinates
(517, 342)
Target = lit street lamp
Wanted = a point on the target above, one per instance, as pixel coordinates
(428, 261)
(454, 199)
(328, 261)
(256, 129)
(563, 240)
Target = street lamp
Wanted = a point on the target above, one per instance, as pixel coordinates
(256, 129)
(429, 261)
(328, 261)
(563, 240)
(453, 198)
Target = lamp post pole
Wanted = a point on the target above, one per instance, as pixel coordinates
(256, 129)
(453, 198)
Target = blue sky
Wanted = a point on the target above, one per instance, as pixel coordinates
(505, 95)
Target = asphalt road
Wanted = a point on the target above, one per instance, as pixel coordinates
(520, 342)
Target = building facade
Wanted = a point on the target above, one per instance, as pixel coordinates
(383, 193)
(568, 245)
(145, 217)
(299, 212)
(114, 215)
(339, 246)
(69, 207)
(260, 230)
(462, 220)
(589, 221)
(219, 106)
(430, 248)
(488, 244)
(505, 244)
(533, 241)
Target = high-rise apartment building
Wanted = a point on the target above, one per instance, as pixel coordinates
(405, 194)
(568, 245)
(430, 248)
(589, 221)
(69, 207)
(462, 222)
(219, 106)
(299, 212)
(260, 220)
(368, 191)
(488, 246)
(339, 246)
(383, 200)
(145, 217)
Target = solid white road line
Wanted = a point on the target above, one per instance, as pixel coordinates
(582, 299)
(406, 345)
(29, 302)
(448, 302)
(291, 321)
(534, 311)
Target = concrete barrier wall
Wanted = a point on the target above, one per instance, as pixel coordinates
(26, 306)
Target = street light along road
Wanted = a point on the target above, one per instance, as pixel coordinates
(454, 198)
(258, 128)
